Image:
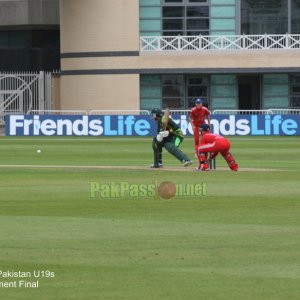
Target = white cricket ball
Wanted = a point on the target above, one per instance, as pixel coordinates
(38, 151)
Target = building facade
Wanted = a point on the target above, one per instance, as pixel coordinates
(29, 35)
(140, 54)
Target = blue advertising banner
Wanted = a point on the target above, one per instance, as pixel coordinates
(137, 125)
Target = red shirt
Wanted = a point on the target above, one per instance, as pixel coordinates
(209, 138)
(199, 115)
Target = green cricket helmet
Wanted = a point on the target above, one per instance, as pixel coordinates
(157, 113)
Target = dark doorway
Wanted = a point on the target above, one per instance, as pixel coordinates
(249, 91)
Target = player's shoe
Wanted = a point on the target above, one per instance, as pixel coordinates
(156, 166)
(187, 163)
(234, 166)
(200, 168)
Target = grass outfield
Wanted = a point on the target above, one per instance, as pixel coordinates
(240, 240)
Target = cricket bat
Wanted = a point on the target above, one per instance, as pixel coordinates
(167, 115)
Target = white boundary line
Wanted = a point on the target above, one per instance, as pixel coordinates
(133, 168)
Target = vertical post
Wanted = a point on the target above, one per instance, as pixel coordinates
(41, 91)
(289, 30)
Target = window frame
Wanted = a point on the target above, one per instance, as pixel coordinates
(185, 19)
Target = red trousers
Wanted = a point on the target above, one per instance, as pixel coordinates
(196, 135)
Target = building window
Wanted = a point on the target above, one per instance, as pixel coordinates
(30, 50)
(295, 91)
(13, 39)
(264, 16)
(172, 91)
(196, 88)
(223, 92)
(185, 17)
(275, 91)
(295, 22)
(150, 91)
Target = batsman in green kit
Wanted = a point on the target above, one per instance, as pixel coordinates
(169, 136)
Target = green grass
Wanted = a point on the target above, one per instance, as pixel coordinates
(240, 241)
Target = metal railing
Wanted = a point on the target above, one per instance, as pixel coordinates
(272, 111)
(242, 112)
(285, 111)
(179, 111)
(20, 92)
(224, 42)
(58, 112)
(119, 112)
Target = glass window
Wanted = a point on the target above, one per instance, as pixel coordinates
(295, 102)
(295, 91)
(173, 1)
(172, 91)
(13, 39)
(150, 17)
(196, 87)
(150, 2)
(4, 39)
(172, 33)
(220, 100)
(194, 33)
(173, 24)
(275, 101)
(198, 80)
(150, 25)
(173, 12)
(149, 104)
(150, 91)
(172, 103)
(196, 91)
(219, 24)
(295, 22)
(264, 16)
(197, 24)
(172, 79)
(223, 79)
(223, 12)
(275, 91)
(193, 18)
(150, 79)
(295, 79)
(45, 38)
(149, 12)
(197, 11)
(223, 2)
(276, 79)
(172, 87)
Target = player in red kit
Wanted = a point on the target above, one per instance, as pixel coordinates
(198, 114)
(213, 144)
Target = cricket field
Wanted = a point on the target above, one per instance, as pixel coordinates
(85, 218)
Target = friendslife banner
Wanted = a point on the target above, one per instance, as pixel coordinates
(137, 125)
